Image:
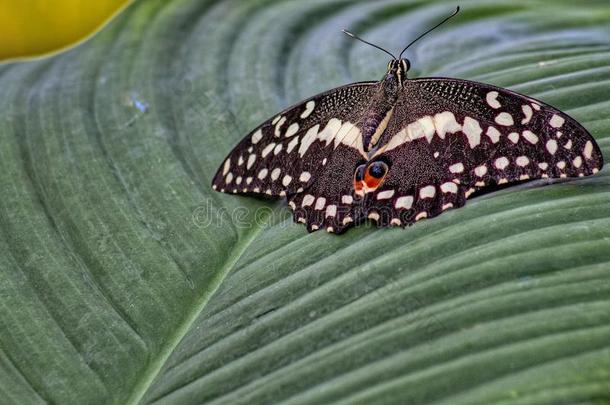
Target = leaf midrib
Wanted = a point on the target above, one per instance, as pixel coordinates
(155, 367)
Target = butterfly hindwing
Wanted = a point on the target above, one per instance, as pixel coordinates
(450, 137)
(328, 202)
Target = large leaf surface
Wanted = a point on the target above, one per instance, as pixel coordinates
(123, 277)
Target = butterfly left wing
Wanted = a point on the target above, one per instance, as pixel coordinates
(306, 153)
(450, 137)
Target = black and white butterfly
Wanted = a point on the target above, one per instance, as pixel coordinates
(398, 150)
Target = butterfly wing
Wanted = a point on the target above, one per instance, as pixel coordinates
(307, 153)
(450, 137)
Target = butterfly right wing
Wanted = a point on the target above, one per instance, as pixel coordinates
(451, 137)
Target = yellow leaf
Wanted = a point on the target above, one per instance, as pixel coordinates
(35, 27)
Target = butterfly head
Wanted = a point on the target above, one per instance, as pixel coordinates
(398, 68)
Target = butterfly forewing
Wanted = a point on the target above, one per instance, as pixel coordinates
(281, 156)
(450, 137)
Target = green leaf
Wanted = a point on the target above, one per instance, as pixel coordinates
(124, 278)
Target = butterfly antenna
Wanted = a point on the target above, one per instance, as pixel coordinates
(457, 10)
(367, 42)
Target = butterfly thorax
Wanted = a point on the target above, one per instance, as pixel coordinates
(382, 104)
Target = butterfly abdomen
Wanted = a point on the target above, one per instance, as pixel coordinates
(374, 126)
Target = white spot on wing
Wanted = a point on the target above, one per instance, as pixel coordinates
(522, 161)
(551, 146)
(456, 168)
(501, 163)
(422, 128)
(251, 160)
(277, 149)
(331, 211)
(292, 144)
(308, 139)
(304, 177)
(504, 119)
(320, 203)
(527, 112)
(588, 150)
(330, 130)
(275, 174)
(347, 199)
(404, 202)
(292, 129)
(279, 125)
(445, 123)
(513, 137)
(308, 109)
(493, 134)
(226, 167)
(480, 170)
(473, 131)
(267, 149)
(556, 121)
(421, 215)
(308, 200)
(427, 192)
(530, 137)
(349, 134)
(491, 99)
(384, 195)
(286, 180)
(257, 136)
(449, 187)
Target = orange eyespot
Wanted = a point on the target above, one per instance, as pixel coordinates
(369, 177)
(374, 175)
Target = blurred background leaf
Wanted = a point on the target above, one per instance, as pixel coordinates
(125, 279)
(34, 27)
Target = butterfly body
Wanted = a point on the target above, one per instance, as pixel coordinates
(400, 150)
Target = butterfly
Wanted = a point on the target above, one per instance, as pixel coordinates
(399, 150)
